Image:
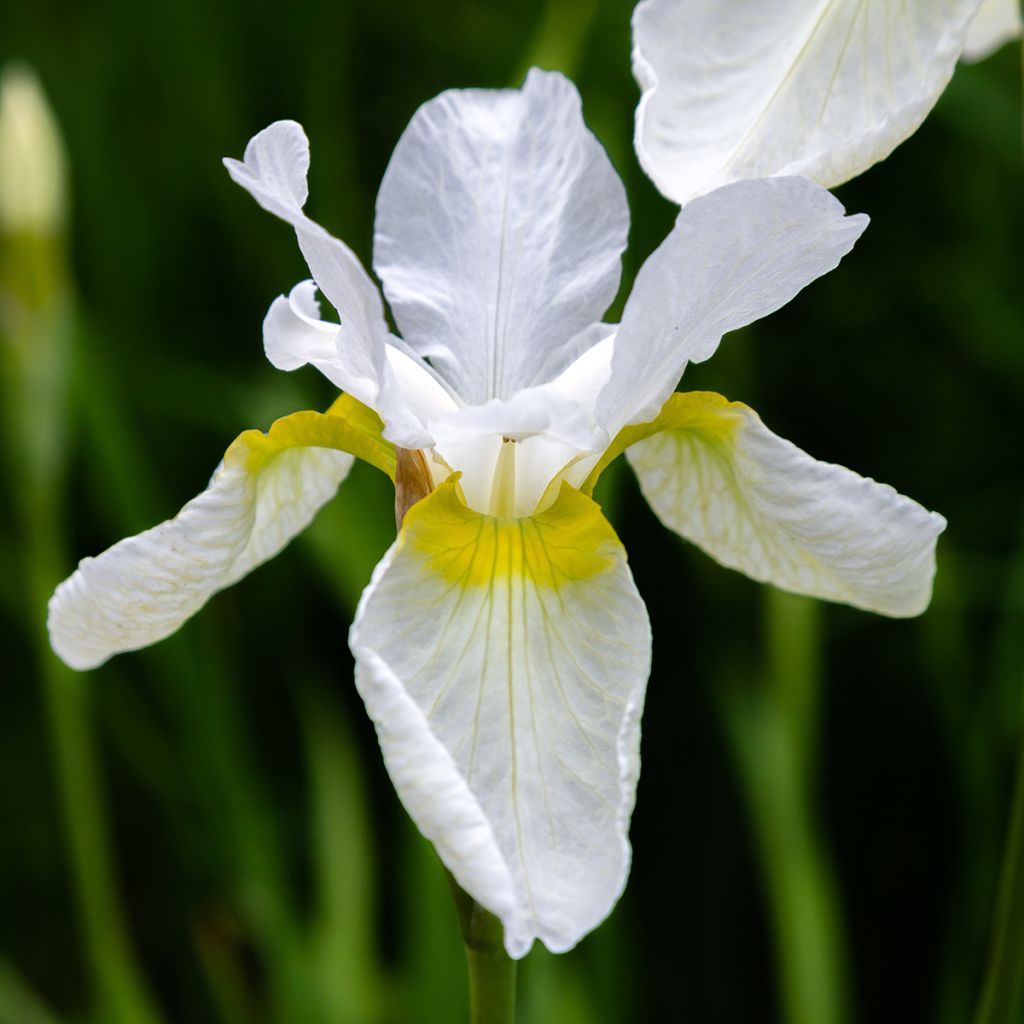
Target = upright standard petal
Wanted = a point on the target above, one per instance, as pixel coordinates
(996, 23)
(733, 256)
(500, 225)
(715, 474)
(273, 171)
(267, 489)
(504, 663)
(823, 88)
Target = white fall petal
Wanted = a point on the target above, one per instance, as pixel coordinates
(266, 490)
(997, 22)
(504, 664)
(715, 474)
(820, 88)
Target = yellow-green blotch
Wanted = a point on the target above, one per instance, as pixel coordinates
(348, 426)
(708, 416)
(568, 542)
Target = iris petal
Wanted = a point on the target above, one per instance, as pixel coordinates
(715, 474)
(267, 489)
(504, 664)
(820, 88)
(500, 225)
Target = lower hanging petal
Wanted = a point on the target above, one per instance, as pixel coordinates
(267, 489)
(715, 474)
(504, 663)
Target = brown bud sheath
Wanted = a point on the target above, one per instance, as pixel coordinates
(412, 481)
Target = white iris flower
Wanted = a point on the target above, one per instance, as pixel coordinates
(737, 89)
(501, 647)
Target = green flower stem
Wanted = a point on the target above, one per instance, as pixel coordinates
(773, 732)
(492, 972)
(119, 988)
(1004, 979)
(37, 324)
(120, 992)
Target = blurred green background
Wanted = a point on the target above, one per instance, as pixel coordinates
(204, 832)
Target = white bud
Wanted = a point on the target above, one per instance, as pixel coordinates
(32, 165)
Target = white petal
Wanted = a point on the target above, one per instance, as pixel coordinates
(717, 476)
(566, 451)
(996, 23)
(274, 172)
(426, 397)
(475, 457)
(553, 426)
(540, 410)
(544, 461)
(504, 665)
(562, 358)
(266, 490)
(500, 223)
(294, 335)
(822, 88)
(585, 377)
(733, 256)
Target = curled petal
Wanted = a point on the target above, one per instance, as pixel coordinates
(504, 664)
(821, 88)
(273, 171)
(715, 474)
(267, 489)
(294, 336)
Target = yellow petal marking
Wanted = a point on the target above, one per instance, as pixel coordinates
(268, 488)
(347, 426)
(569, 541)
(712, 419)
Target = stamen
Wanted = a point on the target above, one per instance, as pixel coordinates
(503, 489)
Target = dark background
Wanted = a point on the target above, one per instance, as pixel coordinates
(825, 793)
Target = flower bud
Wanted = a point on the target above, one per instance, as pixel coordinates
(32, 166)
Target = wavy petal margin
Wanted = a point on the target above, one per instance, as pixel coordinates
(504, 663)
(267, 489)
(714, 474)
(733, 256)
(500, 226)
(273, 171)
